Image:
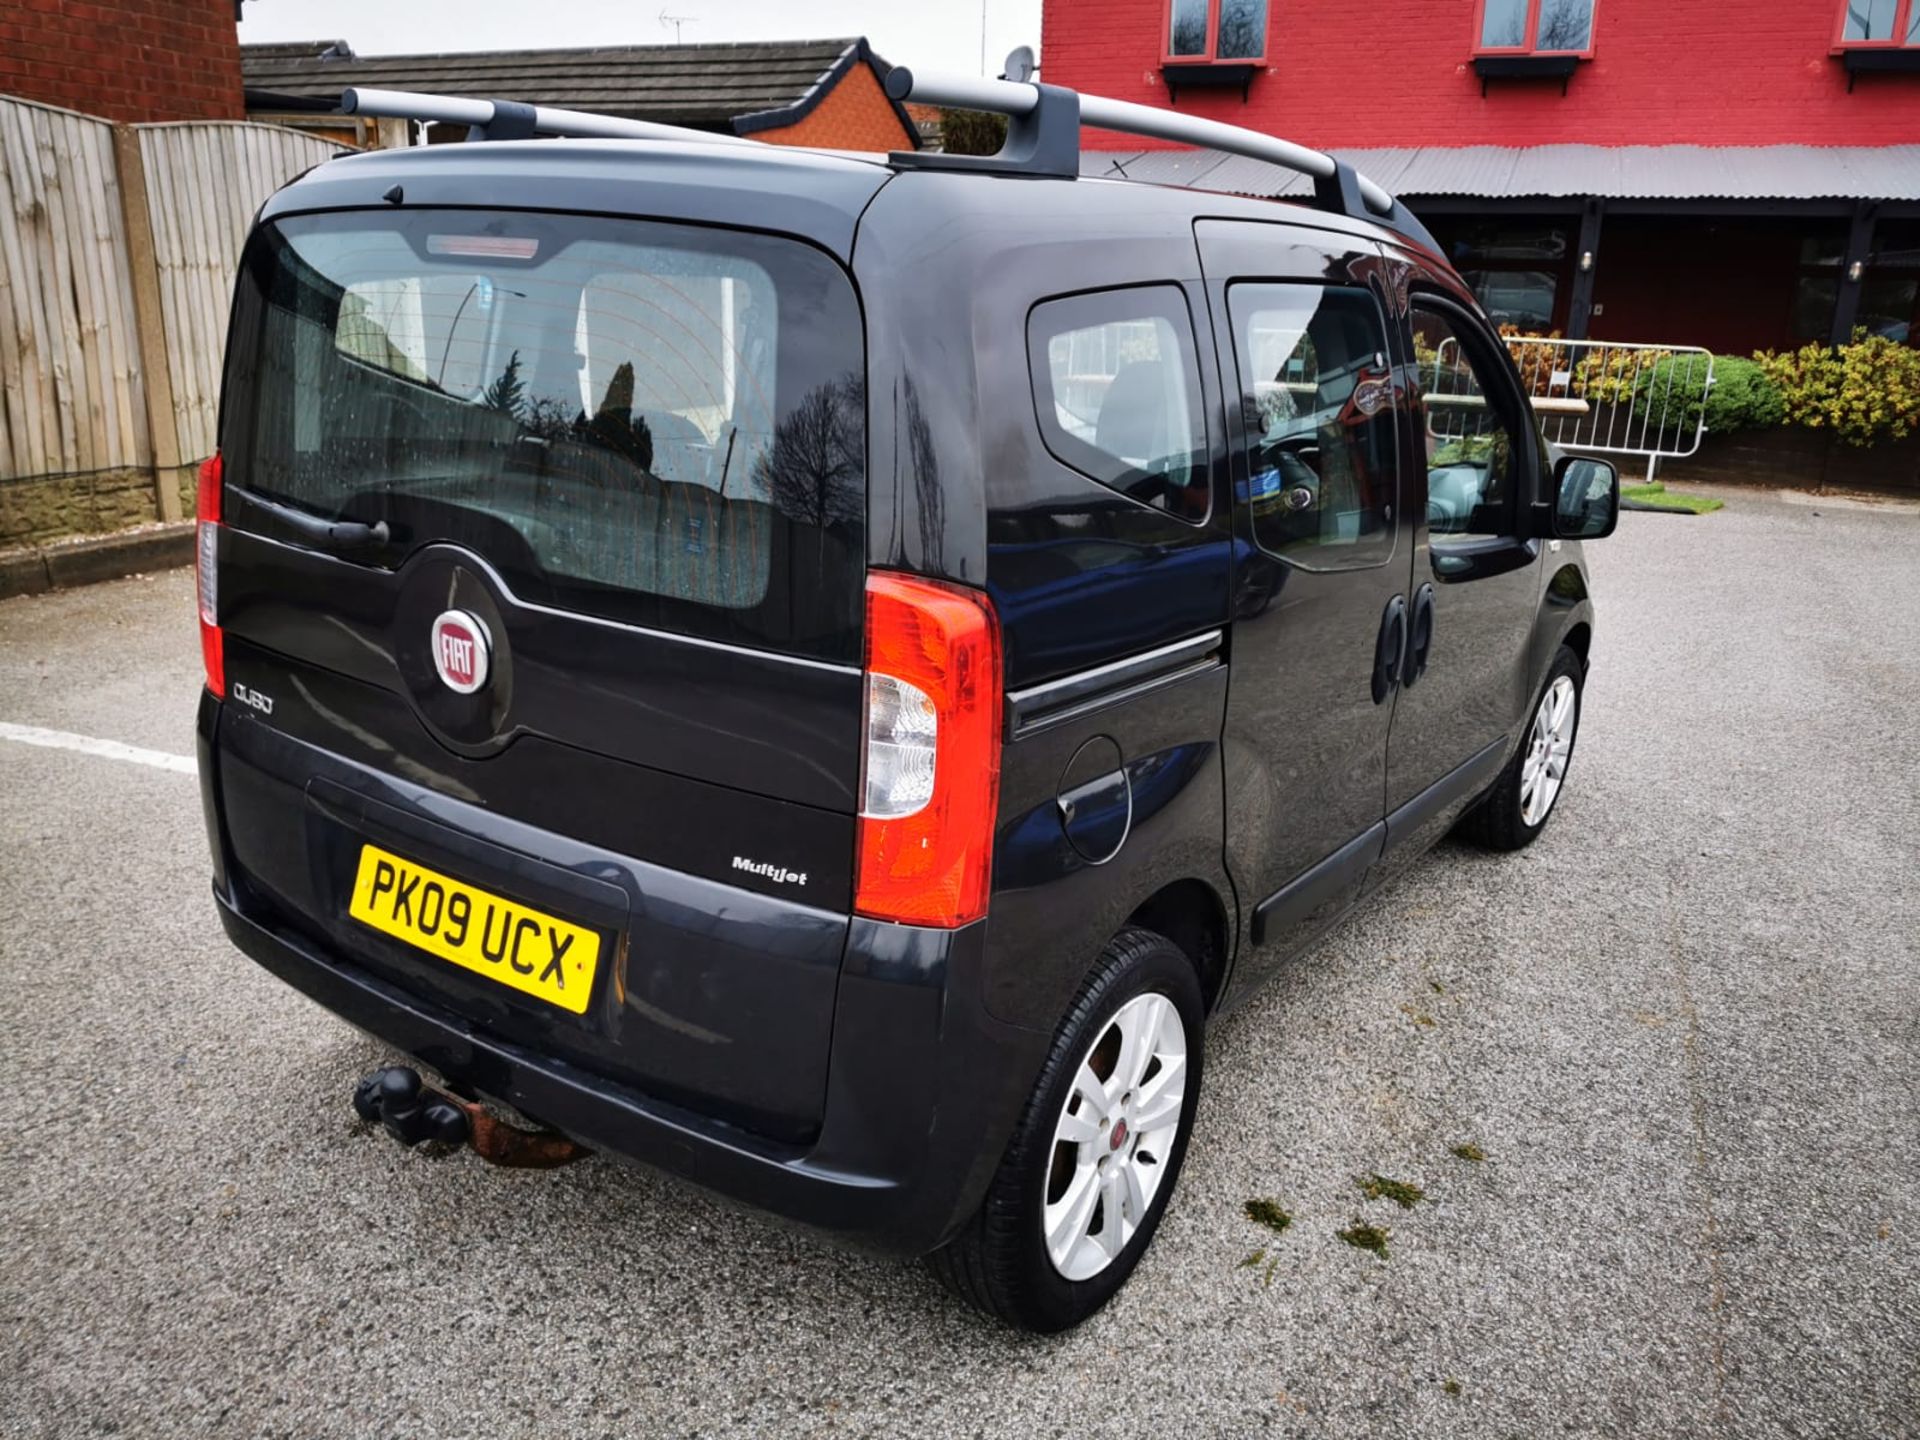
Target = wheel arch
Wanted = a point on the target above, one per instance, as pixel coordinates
(1579, 639)
(1191, 913)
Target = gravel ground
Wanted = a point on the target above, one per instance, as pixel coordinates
(1684, 1029)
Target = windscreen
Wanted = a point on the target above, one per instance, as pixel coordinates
(656, 423)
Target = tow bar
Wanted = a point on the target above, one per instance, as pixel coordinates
(411, 1112)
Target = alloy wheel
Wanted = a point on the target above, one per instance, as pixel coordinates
(1549, 748)
(1114, 1136)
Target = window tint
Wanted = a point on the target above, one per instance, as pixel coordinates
(1118, 395)
(1187, 27)
(1471, 459)
(1243, 30)
(1503, 24)
(657, 423)
(1317, 409)
(1564, 25)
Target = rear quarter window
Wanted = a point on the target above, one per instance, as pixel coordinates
(655, 423)
(1116, 390)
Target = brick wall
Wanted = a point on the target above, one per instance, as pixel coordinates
(126, 60)
(855, 115)
(1399, 73)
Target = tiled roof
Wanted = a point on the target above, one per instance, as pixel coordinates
(681, 84)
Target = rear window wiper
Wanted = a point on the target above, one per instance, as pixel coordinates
(342, 537)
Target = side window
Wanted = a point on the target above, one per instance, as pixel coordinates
(1117, 392)
(1472, 462)
(1316, 404)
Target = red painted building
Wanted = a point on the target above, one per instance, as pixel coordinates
(1659, 170)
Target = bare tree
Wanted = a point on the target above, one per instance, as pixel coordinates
(815, 472)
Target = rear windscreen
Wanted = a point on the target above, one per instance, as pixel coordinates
(661, 424)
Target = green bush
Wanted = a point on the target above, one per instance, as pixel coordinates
(972, 132)
(1863, 392)
(1742, 397)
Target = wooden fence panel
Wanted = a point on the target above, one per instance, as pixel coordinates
(205, 180)
(71, 398)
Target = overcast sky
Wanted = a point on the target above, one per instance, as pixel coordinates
(932, 34)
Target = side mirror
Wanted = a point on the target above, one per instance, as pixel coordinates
(1586, 498)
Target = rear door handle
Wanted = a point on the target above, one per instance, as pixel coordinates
(1387, 649)
(1419, 637)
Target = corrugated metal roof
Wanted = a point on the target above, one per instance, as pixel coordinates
(1631, 172)
(685, 83)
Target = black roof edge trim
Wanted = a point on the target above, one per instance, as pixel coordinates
(291, 104)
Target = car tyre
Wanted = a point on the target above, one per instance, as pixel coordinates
(1006, 1261)
(1522, 800)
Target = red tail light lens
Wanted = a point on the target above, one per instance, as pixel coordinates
(206, 566)
(930, 764)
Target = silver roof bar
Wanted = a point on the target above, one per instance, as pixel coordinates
(1024, 102)
(512, 120)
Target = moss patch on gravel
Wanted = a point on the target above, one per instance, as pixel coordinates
(1269, 1214)
(1403, 1193)
(1470, 1151)
(1363, 1236)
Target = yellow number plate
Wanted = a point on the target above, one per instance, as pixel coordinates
(516, 945)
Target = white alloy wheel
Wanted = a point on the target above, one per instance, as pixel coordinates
(1549, 747)
(1115, 1135)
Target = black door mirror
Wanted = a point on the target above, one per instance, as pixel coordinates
(1586, 498)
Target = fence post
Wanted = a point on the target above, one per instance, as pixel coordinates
(148, 321)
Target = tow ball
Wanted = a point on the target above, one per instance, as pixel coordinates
(396, 1099)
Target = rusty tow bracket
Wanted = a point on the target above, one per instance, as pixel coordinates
(396, 1099)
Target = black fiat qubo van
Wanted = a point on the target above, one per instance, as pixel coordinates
(822, 674)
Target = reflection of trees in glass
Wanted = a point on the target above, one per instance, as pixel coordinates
(1243, 27)
(1564, 24)
(507, 394)
(929, 499)
(1505, 24)
(1189, 35)
(815, 470)
(614, 426)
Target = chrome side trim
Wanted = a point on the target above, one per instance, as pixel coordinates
(1038, 707)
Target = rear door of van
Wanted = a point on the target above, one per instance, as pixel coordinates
(540, 574)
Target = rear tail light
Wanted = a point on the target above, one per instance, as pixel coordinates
(206, 566)
(930, 764)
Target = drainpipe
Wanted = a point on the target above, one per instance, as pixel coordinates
(1586, 262)
(1853, 264)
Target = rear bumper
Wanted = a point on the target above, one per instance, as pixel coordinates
(925, 1087)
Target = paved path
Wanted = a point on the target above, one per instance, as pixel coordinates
(1684, 1029)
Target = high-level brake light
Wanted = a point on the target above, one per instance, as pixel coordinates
(930, 762)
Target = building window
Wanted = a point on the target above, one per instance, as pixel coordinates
(1890, 291)
(1879, 22)
(1817, 282)
(1225, 30)
(1539, 27)
(1520, 271)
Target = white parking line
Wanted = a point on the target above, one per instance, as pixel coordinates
(87, 745)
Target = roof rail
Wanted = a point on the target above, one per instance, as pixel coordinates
(512, 120)
(1043, 138)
